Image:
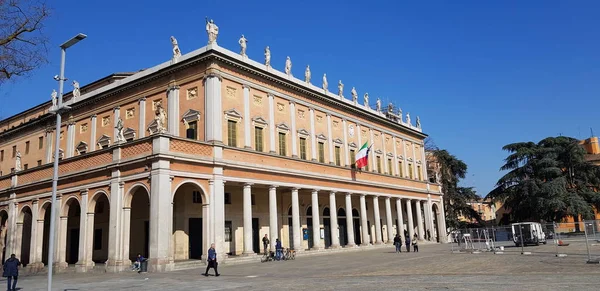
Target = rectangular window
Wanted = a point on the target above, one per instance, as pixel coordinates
(352, 159)
(303, 148)
(196, 197)
(321, 152)
(232, 133)
(26, 166)
(1, 155)
(258, 139)
(400, 169)
(379, 170)
(97, 239)
(419, 174)
(228, 229)
(338, 158)
(40, 142)
(282, 145)
(14, 151)
(192, 130)
(227, 198)
(411, 174)
(39, 162)
(390, 171)
(26, 147)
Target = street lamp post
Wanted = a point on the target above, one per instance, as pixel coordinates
(59, 108)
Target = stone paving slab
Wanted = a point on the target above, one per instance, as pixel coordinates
(434, 268)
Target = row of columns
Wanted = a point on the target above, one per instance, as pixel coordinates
(316, 224)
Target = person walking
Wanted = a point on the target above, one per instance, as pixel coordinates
(415, 244)
(398, 243)
(407, 242)
(212, 261)
(266, 242)
(278, 249)
(11, 272)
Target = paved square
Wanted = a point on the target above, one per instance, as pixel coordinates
(433, 268)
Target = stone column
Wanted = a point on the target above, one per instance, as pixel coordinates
(377, 217)
(82, 263)
(429, 215)
(161, 200)
(346, 150)
(49, 145)
(35, 213)
(11, 225)
(142, 118)
(296, 231)
(272, 125)
(400, 218)
(70, 148)
(248, 219)
(410, 225)
(219, 215)
(294, 134)
(419, 220)
(330, 139)
(126, 235)
(93, 139)
(273, 230)
(363, 221)
(349, 221)
(442, 220)
(57, 230)
(313, 135)
(213, 118)
(335, 232)
(372, 159)
(388, 216)
(115, 262)
(315, 220)
(247, 118)
(116, 116)
(396, 167)
(173, 116)
(39, 241)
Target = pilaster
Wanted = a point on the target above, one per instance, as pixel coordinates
(419, 220)
(115, 262)
(219, 213)
(247, 193)
(70, 138)
(396, 166)
(372, 158)
(296, 220)
(213, 108)
(388, 217)
(173, 109)
(11, 231)
(142, 118)
(273, 228)
(313, 135)
(271, 123)
(82, 264)
(400, 217)
(49, 145)
(93, 139)
(346, 150)
(247, 118)
(330, 139)
(384, 157)
(294, 134)
(410, 226)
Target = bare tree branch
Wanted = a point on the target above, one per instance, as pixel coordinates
(22, 42)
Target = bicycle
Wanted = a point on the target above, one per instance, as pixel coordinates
(268, 256)
(290, 254)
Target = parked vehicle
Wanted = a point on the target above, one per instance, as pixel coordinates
(532, 232)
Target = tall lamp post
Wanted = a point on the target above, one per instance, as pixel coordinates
(57, 110)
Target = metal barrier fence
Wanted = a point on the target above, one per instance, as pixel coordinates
(581, 239)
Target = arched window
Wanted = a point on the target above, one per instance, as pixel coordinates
(355, 213)
(309, 211)
(341, 212)
(326, 211)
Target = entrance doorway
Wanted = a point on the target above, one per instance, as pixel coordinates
(195, 236)
(356, 223)
(341, 214)
(255, 236)
(327, 227)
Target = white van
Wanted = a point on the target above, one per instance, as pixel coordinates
(532, 233)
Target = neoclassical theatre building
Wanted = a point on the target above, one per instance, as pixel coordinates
(210, 146)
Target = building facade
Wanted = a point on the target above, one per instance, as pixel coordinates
(209, 147)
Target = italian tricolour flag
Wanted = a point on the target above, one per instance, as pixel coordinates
(362, 157)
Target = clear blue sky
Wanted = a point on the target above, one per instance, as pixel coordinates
(480, 74)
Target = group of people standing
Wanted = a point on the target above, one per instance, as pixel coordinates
(407, 241)
(278, 247)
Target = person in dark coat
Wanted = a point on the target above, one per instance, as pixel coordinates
(212, 260)
(398, 243)
(407, 243)
(11, 271)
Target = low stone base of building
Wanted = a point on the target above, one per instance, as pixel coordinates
(160, 265)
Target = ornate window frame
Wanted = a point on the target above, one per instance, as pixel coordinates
(103, 141)
(190, 115)
(232, 115)
(303, 133)
(152, 127)
(82, 148)
(260, 122)
(282, 128)
(352, 145)
(129, 133)
(321, 137)
(338, 142)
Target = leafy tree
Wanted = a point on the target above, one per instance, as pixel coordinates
(22, 43)
(548, 181)
(452, 170)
